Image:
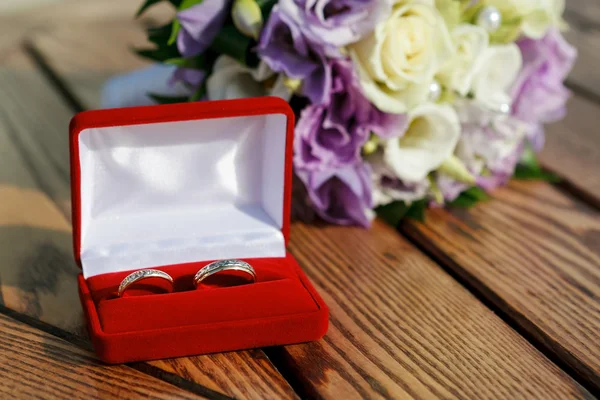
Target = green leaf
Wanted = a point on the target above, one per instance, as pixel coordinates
(162, 52)
(397, 211)
(159, 36)
(463, 202)
(525, 173)
(265, 7)
(529, 168)
(529, 158)
(175, 28)
(470, 198)
(198, 94)
(393, 213)
(197, 62)
(185, 4)
(159, 54)
(477, 193)
(232, 42)
(417, 210)
(160, 99)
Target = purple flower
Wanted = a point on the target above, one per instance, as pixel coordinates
(539, 95)
(336, 22)
(285, 49)
(331, 136)
(200, 25)
(341, 196)
(190, 76)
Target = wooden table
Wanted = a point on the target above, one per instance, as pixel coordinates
(501, 301)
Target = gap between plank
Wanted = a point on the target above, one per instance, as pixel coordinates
(489, 299)
(147, 369)
(282, 363)
(55, 81)
(583, 92)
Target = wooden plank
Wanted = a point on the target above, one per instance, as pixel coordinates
(37, 273)
(76, 62)
(588, 8)
(401, 327)
(535, 253)
(12, 6)
(573, 150)
(583, 17)
(85, 11)
(17, 26)
(35, 120)
(34, 364)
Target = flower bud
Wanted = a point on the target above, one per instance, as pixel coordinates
(456, 169)
(247, 17)
(292, 84)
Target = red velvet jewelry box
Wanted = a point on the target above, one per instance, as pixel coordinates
(173, 188)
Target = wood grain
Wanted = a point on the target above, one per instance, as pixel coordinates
(535, 253)
(242, 374)
(35, 120)
(37, 272)
(34, 364)
(71, 57)
(402, 328)
(573, 148)
(18, 26)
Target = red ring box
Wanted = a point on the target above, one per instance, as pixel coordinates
(173, 188)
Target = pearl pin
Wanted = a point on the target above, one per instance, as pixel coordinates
(489, 18)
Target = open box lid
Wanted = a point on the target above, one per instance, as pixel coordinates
(165, 185)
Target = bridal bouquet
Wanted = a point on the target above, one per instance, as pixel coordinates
(401, 104)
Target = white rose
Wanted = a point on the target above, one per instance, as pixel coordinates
(470, 43)
(232, 80)
(430, 139)
(398, 60)
(499, 69)
(537, 16)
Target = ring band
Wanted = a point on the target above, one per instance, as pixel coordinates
(226, 265)
(142, 274)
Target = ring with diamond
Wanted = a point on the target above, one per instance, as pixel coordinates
(142, 274)
(225, 265)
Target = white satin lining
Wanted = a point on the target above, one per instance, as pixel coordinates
(169, 193)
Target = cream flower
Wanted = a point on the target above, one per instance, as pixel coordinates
(430, 139)
(387, 188)
(496, 75)
(536, 16)
(232, 80)
(398, 60)
(471, 43)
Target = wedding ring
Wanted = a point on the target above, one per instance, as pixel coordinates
(142, 274)
(225, 265)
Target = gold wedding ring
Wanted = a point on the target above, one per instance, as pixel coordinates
(140, 275)
(225, 265)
